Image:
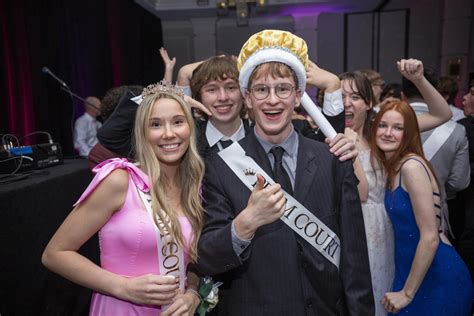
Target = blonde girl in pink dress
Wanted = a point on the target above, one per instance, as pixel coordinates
(148, 216)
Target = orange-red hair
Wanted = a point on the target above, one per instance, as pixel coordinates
(409, 145)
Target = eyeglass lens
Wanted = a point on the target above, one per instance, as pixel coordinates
(262, 91)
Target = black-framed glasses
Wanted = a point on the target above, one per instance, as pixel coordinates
(262, 91)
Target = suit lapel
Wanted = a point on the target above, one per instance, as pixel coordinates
(306, 169)
(201, 139)
(254, 150)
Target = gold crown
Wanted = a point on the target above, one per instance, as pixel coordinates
(163, 87)
(250, 172)
(274, 39)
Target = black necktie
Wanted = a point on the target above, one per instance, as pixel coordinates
(279, 172)
(223, 143)
(226, 143)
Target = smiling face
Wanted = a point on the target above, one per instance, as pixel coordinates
(168, 132)
(273, 114)
(223, 99)
(389, 132)
(355, 106)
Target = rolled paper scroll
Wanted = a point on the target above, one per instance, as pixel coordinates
(317, 116)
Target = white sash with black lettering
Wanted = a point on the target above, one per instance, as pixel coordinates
(170, 254)
(296, 216)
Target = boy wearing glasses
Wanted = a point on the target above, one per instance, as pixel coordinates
(284, 229)
(214, 83)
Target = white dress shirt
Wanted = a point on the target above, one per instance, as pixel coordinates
(85, 133)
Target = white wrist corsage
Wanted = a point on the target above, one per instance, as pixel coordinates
(209, 292)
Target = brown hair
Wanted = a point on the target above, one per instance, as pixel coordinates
(273, 69)
(215, 68)
(448, 86)
(410, 143)
(364, 90)
(373, 76)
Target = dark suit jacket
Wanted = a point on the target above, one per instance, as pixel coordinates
(116, 132)
(280, 273)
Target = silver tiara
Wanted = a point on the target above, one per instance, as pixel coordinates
(163, 86)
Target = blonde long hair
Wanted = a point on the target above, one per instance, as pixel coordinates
(190, 173)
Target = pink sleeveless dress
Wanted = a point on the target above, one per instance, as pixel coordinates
(127, 241)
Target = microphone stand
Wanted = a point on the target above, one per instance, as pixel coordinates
(66, 89)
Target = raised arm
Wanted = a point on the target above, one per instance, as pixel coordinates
(169, 64)
(322, 79)
(438, 109)
(333, 110)
(185, 73)
(331, 84)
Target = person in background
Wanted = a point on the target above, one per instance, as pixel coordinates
(448, 87)
(86, 126)
(430, 277)
(462, 213)
(358, 102)
(376, 81)
(392, 91)
(148, 216)
(445, 147)
(112, 98)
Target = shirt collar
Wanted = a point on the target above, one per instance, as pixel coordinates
(89, 117)
(213, 135)
(290, 144)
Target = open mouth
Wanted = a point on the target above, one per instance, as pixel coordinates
(349, 118)
(272, 114)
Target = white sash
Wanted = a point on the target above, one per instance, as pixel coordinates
(170, 254)
(437, 138)
(296, 216)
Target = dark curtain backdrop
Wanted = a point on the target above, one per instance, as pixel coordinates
(92, 45)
